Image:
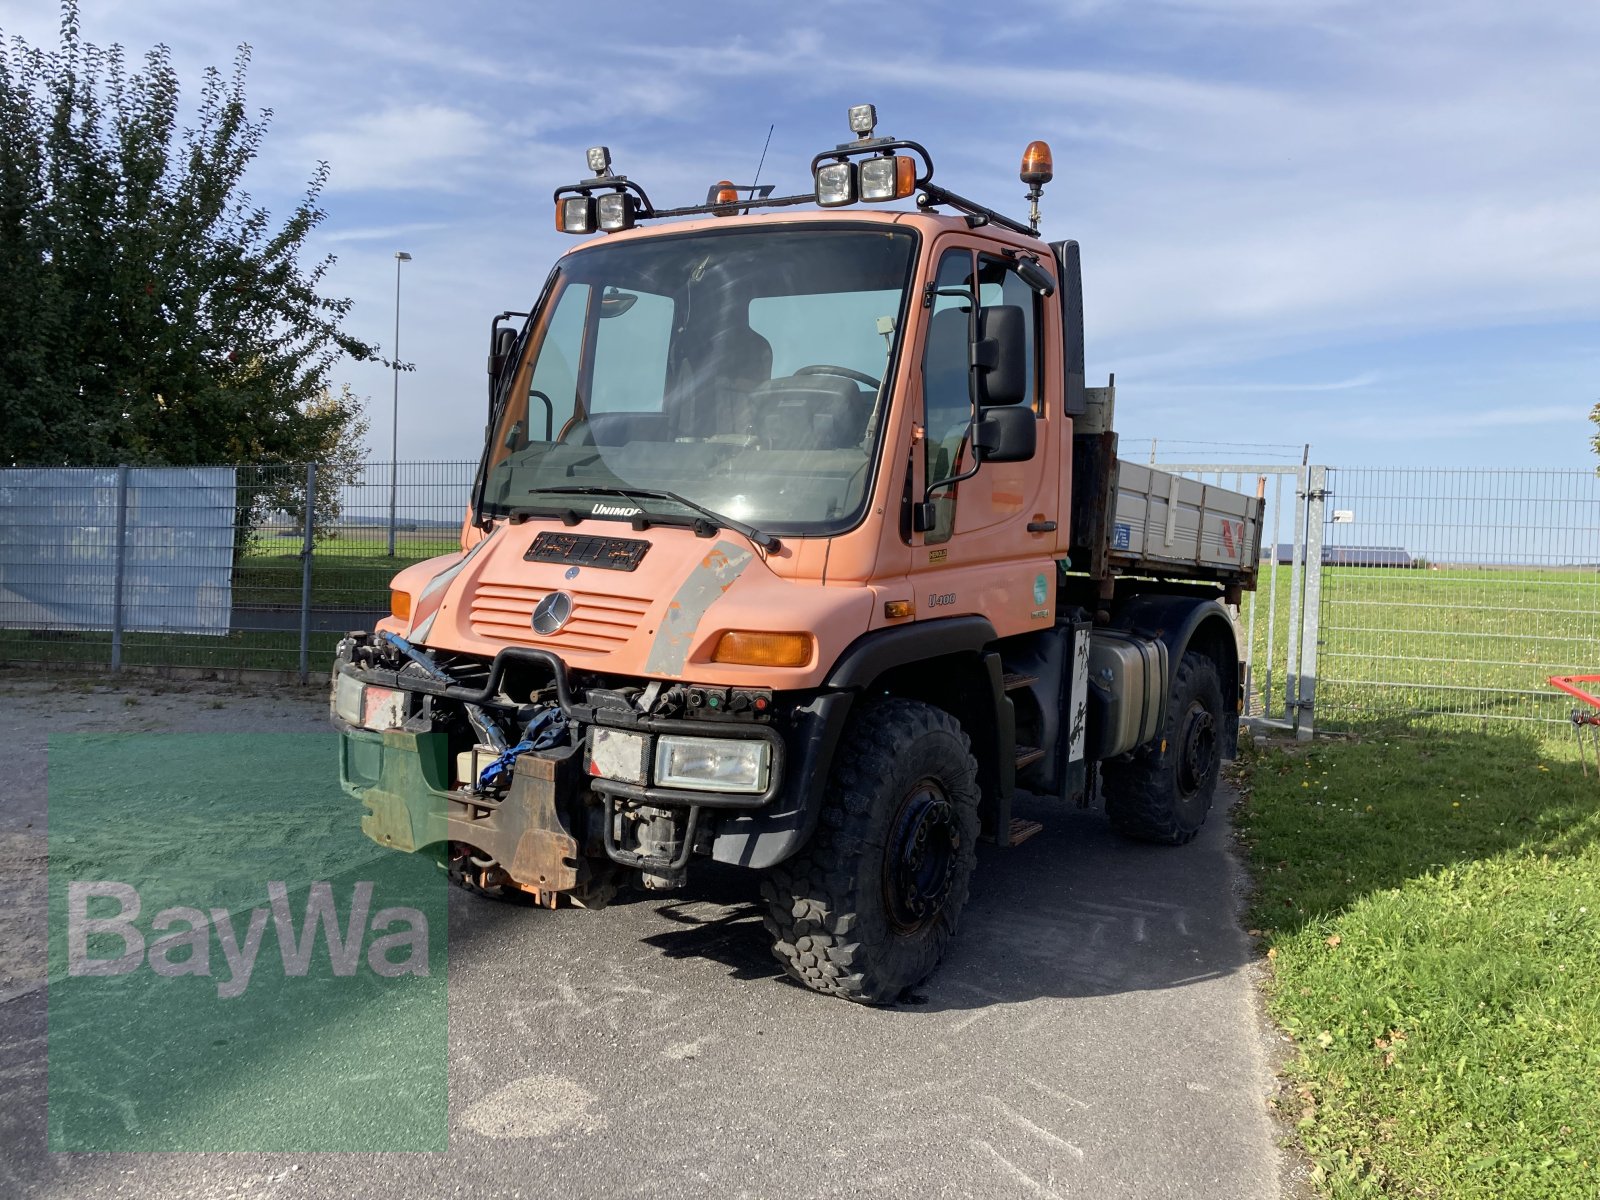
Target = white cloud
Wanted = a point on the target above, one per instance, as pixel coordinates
(412, 147)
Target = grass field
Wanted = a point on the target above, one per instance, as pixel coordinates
(1430, 903)
(1459, 641)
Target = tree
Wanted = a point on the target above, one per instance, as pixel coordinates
(1594, 415)
(339, 458)
(151, 312)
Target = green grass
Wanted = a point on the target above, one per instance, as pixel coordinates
(1430, 902)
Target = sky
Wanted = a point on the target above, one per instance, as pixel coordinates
(1367, 226)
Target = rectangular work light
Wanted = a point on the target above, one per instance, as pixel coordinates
(836, 184)
(575, 214)
(616, 211)
(888, 178)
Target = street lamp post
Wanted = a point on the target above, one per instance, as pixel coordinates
(400, 256)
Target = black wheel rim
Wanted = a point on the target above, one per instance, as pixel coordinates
(919, 859)
(1197, 751)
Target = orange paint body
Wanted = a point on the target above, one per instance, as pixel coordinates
(835, 587)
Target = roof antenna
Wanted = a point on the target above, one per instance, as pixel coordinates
(761, 164)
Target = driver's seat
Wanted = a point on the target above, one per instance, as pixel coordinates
(809, 412)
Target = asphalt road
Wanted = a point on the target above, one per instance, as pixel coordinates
(1094, 1032)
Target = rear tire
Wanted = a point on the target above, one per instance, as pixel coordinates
(869, 907)
(1163, 792)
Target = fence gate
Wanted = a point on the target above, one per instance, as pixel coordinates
(1278, 622)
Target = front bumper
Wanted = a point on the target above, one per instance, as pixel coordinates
(555, 810)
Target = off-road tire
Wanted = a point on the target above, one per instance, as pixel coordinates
(1162, 792)
(902, 801)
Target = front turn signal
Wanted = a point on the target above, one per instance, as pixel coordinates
(399, 605)
(752, 648)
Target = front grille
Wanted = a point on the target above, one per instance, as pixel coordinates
(600, 622)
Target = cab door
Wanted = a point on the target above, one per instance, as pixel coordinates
(990, 546)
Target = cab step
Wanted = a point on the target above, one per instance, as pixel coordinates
(1013, 680)
(1021, 830)
(1028, 755)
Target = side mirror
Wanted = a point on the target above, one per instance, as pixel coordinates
(1007, 434)
(1002, 355)
(500, 343)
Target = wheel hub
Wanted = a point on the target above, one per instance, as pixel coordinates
(1197, 750)
(920, 857)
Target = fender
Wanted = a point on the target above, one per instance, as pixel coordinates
(945, 662)
(1185, 622)
(874, 654)
(951, 664)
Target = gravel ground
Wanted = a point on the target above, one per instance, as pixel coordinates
(1095, 1031)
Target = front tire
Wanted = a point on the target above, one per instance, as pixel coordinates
(1163, 792)
(869, 907)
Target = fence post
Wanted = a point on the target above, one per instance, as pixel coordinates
(1316, 496)
(1297, 532)
(119, 567)
(306, 547)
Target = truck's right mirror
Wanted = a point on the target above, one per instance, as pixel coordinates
(1006, 434)
(1002, 355)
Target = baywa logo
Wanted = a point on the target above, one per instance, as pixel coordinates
(613, 510)
(166, 954)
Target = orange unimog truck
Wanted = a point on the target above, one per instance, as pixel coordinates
(799, 543)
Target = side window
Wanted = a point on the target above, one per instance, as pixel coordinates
(632, 342)
(946, 394)
(544, 394)
(999, 284)
(555, 375)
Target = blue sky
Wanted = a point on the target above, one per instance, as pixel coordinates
(1373, 227)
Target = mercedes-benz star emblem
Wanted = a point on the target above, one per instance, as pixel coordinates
(551, 613)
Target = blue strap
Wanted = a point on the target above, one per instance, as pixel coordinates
(548, 728)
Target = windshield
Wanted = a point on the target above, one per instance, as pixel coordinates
(745, 371)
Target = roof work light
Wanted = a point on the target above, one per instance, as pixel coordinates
(885, 176)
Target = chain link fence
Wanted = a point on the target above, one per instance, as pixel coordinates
(216, 568)
(1456, 593)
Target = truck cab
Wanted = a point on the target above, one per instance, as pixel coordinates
(799, 543)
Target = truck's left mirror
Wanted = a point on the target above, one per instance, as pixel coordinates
(500, 348)
(1007, 434)
(1002, 355)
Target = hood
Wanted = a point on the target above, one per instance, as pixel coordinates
(610, 598)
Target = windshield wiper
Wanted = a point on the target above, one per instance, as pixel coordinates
(765, 540)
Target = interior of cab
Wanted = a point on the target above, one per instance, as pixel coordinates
(741, 371)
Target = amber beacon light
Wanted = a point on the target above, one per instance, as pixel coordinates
(1038, 169)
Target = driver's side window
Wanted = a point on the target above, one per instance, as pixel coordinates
(946, 391)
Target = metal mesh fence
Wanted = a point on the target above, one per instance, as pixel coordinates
(211, 568)
(1457, 592)
(1399, 593)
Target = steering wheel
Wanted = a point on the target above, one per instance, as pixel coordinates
(830, 369)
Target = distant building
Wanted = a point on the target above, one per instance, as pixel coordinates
(1348, 556)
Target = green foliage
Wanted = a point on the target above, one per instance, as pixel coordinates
(1594, 415)
(152, 313)
(1431, 907)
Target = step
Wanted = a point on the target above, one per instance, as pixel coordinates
(1028, 755)
(1021, 830)
(1012, 680)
